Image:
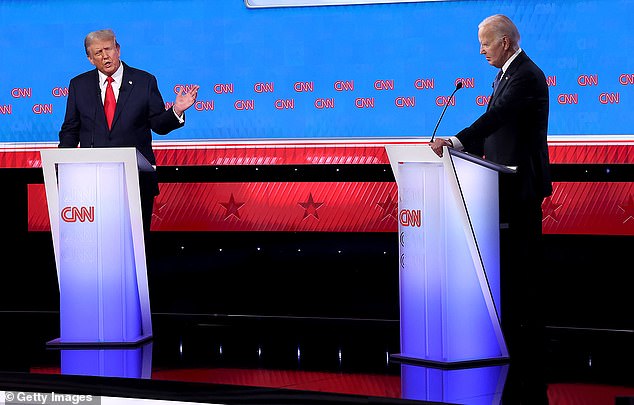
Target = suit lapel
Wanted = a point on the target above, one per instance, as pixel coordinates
(127, 83)
(100, 113)
(506, 77)
(498, 92)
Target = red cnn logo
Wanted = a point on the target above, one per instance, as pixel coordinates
(81, 214)
(410, 217)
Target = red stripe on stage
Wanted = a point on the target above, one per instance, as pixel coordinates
(262, 206)
(311, 154)
(582, 208)
(574, 208)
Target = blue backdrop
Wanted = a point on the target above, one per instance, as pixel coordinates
(339, 71)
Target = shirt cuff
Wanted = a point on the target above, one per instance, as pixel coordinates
(456, 143)
(181, 119)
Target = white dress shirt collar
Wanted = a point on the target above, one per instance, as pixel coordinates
(510, 60)
(116, 84)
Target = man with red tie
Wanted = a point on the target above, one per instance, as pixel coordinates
(116, 105)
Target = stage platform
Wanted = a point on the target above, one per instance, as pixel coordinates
(241, 359)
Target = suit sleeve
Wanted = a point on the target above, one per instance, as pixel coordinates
(162, 121)
(69, 133)
(521, 95)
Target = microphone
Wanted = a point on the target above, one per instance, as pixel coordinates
(458, 87)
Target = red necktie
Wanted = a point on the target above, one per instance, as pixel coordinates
(109, 103)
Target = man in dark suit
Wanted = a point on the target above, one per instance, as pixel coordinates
(513, 132)
(137, 109)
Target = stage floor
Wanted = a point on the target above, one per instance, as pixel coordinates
(258, 360)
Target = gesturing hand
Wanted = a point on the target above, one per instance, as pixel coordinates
(185, 100)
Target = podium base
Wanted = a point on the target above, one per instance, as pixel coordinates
(60, 344)
(449, 365)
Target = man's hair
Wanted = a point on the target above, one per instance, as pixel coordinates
(100, 35)
(502, 26)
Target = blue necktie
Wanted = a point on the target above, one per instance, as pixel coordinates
(496, 82)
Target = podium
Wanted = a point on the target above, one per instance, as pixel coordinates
(94, 208)
(449, 257)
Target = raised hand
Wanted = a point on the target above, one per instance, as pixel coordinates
(185, 100)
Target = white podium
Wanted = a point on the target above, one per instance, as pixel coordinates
(95, 213)
(449, 257)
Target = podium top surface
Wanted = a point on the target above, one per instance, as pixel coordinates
(129, 155)
(423, 153)
(483, 162)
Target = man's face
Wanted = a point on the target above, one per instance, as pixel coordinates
(493, 47)
(105, 56)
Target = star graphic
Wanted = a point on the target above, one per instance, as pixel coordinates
(388, 207)
(232, 207)
(549, 209)
(310, 207)
(628, 208)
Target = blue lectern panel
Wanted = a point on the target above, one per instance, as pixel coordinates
(78, 281)
(473, 386)
(479, 187)
(467, 311)
(116, 255)
(128, 363)
(422, 246)
(99, 299)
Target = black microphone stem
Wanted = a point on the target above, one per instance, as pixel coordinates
(458, 87)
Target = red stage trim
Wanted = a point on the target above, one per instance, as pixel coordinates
(307, 153)
(575, 208)
(261, 206)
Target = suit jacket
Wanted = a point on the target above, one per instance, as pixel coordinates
(513, 131)
(140, 110)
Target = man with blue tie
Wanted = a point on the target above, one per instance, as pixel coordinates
(513, 132)
(116, 105)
